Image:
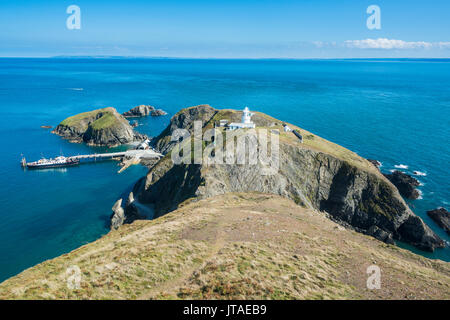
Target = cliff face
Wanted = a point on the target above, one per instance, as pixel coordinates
(99, 127)
(316, 174)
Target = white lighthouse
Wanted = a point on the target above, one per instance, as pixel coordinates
(246, 121)
(246, 116)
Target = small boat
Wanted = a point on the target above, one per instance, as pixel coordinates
(58, 162)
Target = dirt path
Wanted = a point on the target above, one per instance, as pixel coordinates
(175, 283)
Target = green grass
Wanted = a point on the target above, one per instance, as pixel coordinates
(107, 119)
(74, 120)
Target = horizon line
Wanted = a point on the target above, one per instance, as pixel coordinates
(215, 58)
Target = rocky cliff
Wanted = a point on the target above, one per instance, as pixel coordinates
(316, 174)
(405, 184)
(99, 127)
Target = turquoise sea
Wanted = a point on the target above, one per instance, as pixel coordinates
(396, 111)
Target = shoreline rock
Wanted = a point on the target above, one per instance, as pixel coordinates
(158, 113)
(405, 184)
(442, 218)
(376, 163)
(118, 216)
(126, 214)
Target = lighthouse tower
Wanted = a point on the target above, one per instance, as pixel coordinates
(246, 116)
(246, 121)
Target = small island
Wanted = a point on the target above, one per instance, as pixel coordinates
(101, 127)
(143, 111)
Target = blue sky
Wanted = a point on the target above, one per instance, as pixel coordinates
(226, 28)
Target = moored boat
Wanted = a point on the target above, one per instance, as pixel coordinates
(60, 161)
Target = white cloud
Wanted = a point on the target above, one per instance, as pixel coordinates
(384, 43)
(324, 44)
(444, 45)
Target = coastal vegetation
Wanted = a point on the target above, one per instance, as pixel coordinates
(234, 246)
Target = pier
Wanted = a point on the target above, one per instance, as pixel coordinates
(136, 154)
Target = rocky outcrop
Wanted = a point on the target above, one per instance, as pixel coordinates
(144, 111)
(442, 217)
(380, 234)
(103, 127)
(118, 216)
(339, 182)
(158, 112)
(376, 163)
(139, 111)
(405, 184)
(184, 119)
(128, 214)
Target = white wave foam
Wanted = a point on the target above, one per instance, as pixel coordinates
(401, 166)
(419, 173)
(76, 89)
(420, 197)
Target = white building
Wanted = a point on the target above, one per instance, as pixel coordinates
(223, 123)
(246, 121)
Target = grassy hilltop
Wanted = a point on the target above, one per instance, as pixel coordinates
(244, 245)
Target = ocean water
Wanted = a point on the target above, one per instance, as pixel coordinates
(396, 111)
